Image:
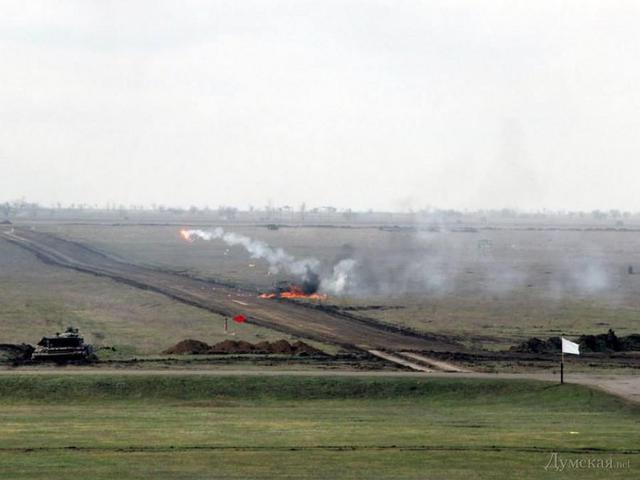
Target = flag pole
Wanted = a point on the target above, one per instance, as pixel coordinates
(225, 325)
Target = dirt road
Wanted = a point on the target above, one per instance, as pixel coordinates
(325, 326)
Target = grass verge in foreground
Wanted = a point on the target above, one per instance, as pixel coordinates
(166, 427)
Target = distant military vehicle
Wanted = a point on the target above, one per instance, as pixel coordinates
(64, 347)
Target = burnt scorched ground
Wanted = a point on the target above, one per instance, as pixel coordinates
(324, 325)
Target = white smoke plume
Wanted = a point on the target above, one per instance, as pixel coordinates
(341, 278)
(280, 261)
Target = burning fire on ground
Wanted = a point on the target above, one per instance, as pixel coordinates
(307, 290)
(279, 260)
(295, 292)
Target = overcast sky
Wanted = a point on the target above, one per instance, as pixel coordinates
(363, 104)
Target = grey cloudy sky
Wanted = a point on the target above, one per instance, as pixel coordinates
(363, 104)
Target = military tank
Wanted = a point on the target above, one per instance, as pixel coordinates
(64, 347)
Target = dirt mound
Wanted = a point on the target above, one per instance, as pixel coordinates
(535, 345)
(188, 347)
(280, 347)
(262, 347)
(15, 353)
(631, 342)
(232, 346)
(302, 348)
(605, 342)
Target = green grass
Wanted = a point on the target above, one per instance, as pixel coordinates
(165, 427)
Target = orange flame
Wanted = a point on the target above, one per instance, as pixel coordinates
(295, 292)
(185, 234)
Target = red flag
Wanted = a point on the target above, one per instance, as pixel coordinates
(240, 318)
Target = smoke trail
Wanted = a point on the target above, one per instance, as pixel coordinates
(280, 261)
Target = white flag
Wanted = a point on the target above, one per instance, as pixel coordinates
(570, 347)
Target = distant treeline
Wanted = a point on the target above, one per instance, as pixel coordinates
(286, 213)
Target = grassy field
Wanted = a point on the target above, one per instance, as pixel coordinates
(529, 283)
(198, 427)
(37, 299)
(524, 283)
